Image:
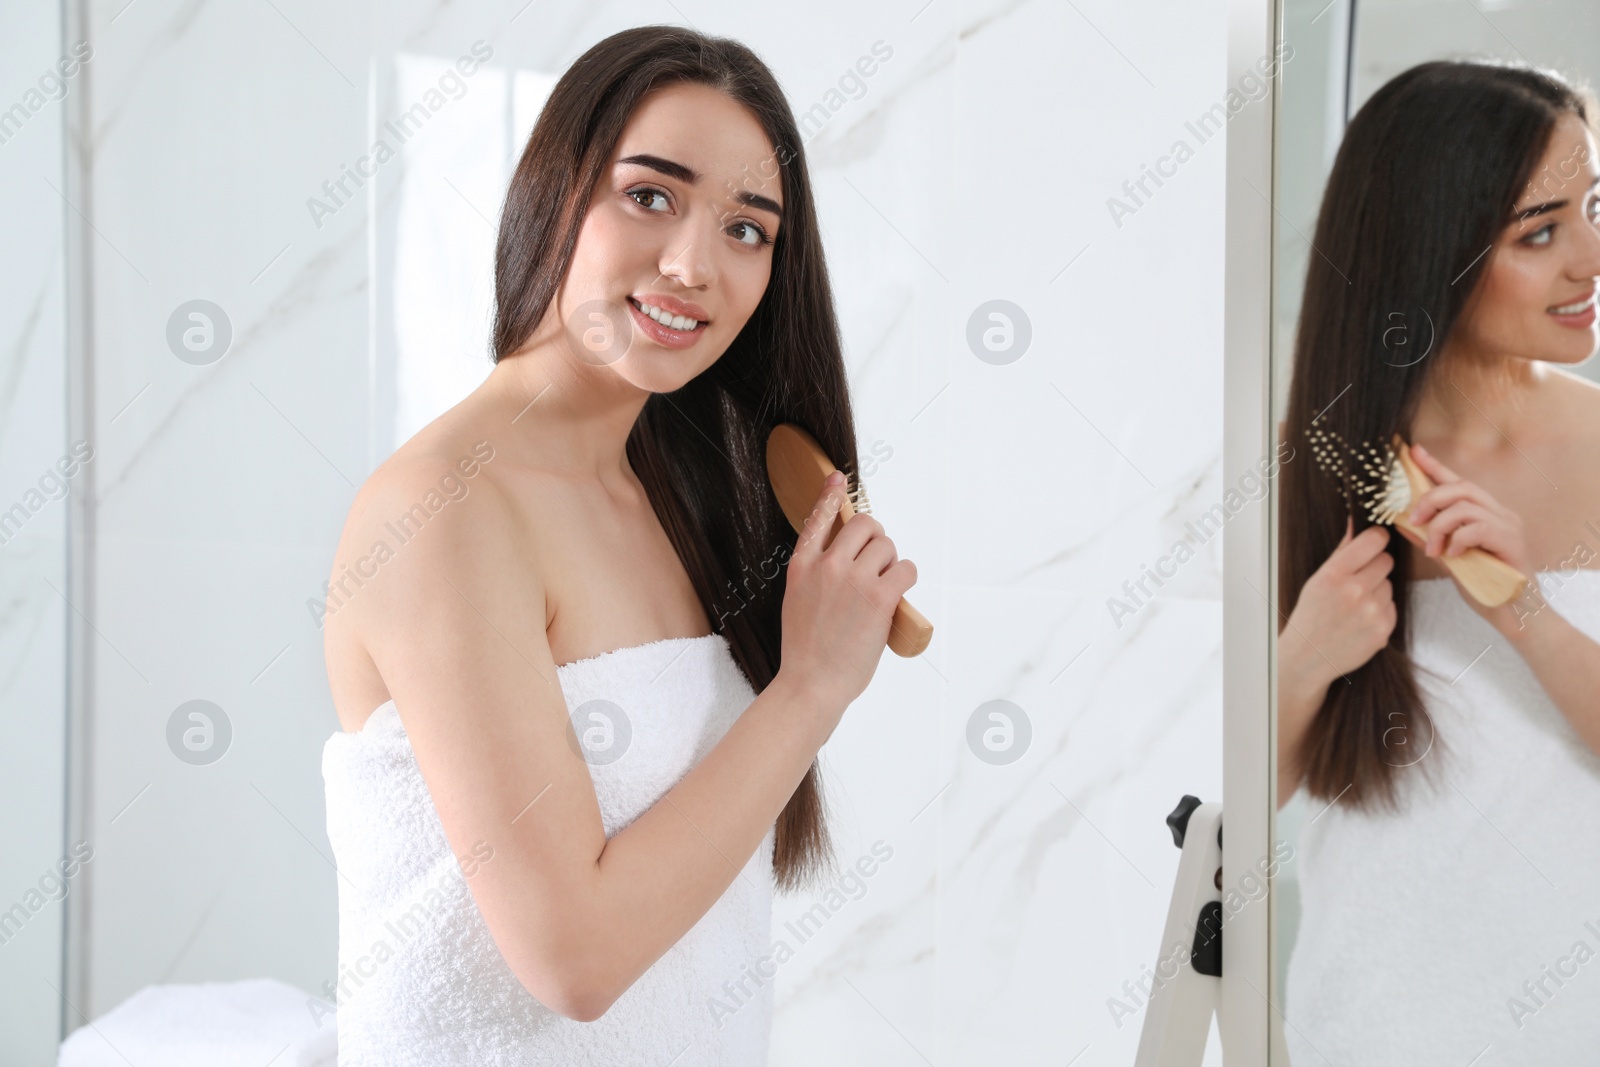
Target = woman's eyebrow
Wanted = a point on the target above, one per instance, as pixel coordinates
(690, 176)
(678, 171)
(1549, 205)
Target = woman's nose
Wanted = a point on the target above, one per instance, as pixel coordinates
(687, 258)
(686, 267)
(1587, 264)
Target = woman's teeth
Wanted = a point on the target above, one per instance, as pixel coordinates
(677, 322)
(1574, 309)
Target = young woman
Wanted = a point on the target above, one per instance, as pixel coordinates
(1451, 751)
(517, 886)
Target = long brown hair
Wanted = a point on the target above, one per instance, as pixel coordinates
(1426, 179)
(699, 451)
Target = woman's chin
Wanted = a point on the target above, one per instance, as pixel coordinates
(1571, 356)
(664, 370)
(656, 370)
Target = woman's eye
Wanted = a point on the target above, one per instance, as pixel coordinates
(761, 237)
(636, 193)
(1541, 236)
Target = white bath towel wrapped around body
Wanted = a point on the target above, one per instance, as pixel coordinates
(421, 981)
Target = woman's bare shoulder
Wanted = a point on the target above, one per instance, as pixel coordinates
(1572, 440)
(422, 481)
(437, 508)
(1572, 386)
(1576, 406)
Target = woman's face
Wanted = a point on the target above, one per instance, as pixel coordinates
(683, 221)
(1537, 297)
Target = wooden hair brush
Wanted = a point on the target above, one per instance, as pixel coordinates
(1385, 481)
(798, 468)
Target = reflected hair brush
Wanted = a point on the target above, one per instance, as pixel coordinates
(1381, 481)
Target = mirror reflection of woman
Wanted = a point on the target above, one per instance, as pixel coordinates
(509, 891)
(1450, 862)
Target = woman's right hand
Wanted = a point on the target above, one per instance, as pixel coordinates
(838, 602)
(1345, 611)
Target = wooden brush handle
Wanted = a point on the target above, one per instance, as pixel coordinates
(909, 630)
(1487, 578)
(798, 468)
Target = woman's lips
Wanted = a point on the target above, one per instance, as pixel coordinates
(665, 336)
(1580, 319)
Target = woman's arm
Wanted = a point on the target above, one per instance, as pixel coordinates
(1567, 664)
(1459, 515)
(456, 625)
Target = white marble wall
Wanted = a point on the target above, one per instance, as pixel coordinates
(976, 166)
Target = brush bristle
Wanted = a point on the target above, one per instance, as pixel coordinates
(1370, 477)
(1395, 495)
(857, 493)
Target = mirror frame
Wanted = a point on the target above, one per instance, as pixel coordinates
(81, 637)
(1245, 1014)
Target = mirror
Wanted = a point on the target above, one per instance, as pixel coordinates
(252, 274)
(1436, 249)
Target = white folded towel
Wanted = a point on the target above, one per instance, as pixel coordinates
(256, 1022)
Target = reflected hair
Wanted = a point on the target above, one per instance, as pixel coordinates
(1425, 180)
(699, 451)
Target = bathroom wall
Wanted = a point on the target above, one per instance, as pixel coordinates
(998, 154)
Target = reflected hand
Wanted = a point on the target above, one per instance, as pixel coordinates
(1344, 614)
(1342, 617)
(1458, 515)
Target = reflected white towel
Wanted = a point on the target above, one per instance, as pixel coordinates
(248, 1023)
(1419, 927)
